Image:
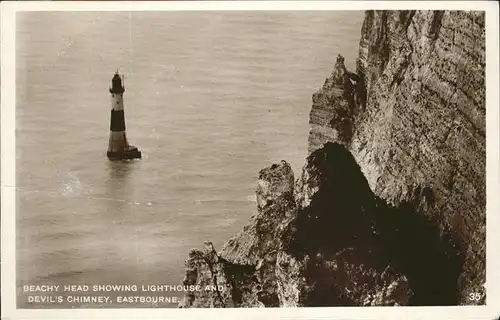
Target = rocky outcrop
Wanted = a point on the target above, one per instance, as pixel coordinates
(245, 267)
(390, 206)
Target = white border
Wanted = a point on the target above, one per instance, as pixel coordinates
(490, 311)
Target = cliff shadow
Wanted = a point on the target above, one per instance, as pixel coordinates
(336, 215)
(429, 258)
(345, 214)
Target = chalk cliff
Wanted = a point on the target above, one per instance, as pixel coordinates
(390, 206)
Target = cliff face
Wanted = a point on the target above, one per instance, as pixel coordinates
(420, 137)
(390, 206)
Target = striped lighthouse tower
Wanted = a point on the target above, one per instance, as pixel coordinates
(118, 145)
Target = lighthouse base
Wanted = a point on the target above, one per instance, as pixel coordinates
(128, 154)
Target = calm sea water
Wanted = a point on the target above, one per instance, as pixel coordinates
(212, 98)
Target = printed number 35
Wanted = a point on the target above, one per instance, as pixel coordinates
(474, 296)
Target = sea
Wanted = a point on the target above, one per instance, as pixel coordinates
(211, 98)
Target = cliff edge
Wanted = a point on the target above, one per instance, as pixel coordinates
(390, 206)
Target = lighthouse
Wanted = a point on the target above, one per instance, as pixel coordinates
(118, 148)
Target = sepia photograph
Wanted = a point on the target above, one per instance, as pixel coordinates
(186, 159)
